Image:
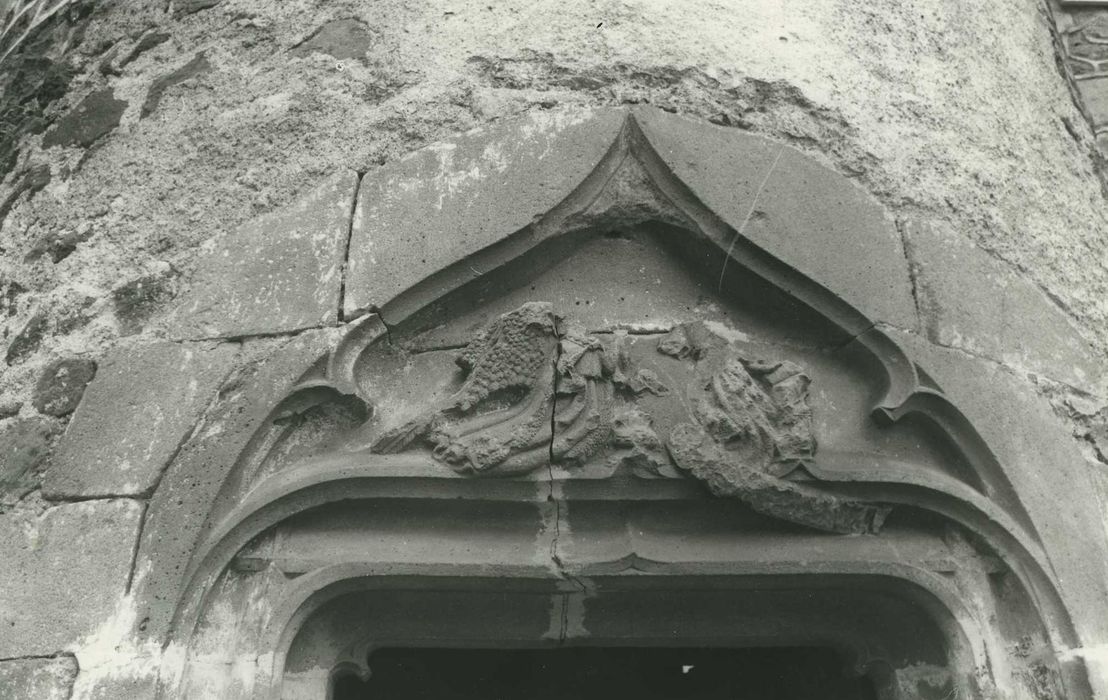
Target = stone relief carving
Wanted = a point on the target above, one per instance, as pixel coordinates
(503, 419)
(539, 390)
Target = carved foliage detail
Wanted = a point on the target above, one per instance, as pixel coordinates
(538, 391)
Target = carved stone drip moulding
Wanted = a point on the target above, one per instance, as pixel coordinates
(656, 366)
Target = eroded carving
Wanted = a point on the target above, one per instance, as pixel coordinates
(534, 392)
(539, 390)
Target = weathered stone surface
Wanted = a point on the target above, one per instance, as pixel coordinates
(198, 65)
(147, 42)
(27, 340)
(136, 300)
(38, 679)
(64, 573)
(59, 244)
(33, 181)
(137, 412)
(807, 215)
(281, 272)
(62, 384)
(440, 204)
(126, 679)
(95, 116)
(188, 7)
(184, 498)
(970, 300)
(24, 444)
(344, 38)
(1044, 466)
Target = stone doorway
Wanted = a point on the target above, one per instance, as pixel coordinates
(587, 673)
(640, 633)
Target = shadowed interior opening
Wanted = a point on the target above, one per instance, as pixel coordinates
(602, 673)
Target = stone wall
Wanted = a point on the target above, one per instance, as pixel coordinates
(136, 135)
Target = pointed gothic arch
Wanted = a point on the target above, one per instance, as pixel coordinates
(298, 484)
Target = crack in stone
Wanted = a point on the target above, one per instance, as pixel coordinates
(563, 622)
(343, 268)
(749, 214)
(374, 309)
(913, 267)
(1022, 374)
(255, 336)
(423, 350)
(550, 459)
(552, 496)
(95, 497)
(135, 548)
(41, 657)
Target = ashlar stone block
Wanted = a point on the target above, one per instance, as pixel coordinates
(794, 208)
(64, 573)
(134, 417)
(442, 203)
(974, 302)
(1043, 464)
(277, 273)
(269, 368)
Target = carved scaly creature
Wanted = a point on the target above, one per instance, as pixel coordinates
(503, 419)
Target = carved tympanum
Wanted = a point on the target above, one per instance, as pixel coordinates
(540, 391)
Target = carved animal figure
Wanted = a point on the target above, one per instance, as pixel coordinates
(753, 424)
(534, 393)
(538, 392)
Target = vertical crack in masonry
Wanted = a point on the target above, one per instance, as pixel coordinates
(554, 497)
(551, 497)
(343, 268)
(913, 267)
(388, 328)
(145, 505)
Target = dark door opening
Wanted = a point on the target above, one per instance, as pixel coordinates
(597, 673)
